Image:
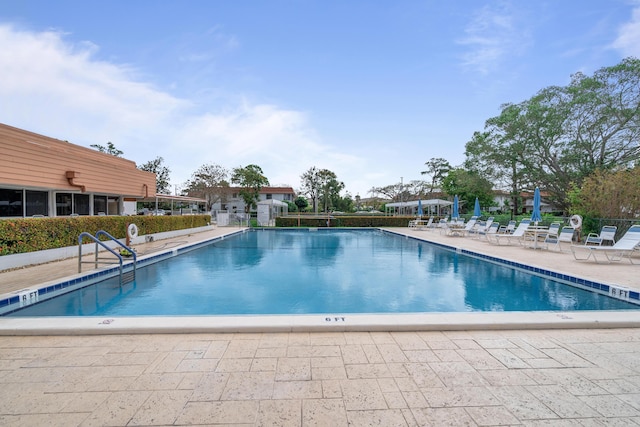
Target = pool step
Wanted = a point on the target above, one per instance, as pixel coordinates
(128, 276)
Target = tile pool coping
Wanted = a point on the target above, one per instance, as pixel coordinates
(313, 322)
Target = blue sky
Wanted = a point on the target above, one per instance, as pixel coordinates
(368, 89)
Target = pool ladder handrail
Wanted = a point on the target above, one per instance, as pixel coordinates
(97, 259)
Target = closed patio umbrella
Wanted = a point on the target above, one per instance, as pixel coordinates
(535, 214)
(476, 208)
(455, 214)
(420, 208)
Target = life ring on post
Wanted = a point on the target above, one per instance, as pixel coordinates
(132, 231)
(575, 221)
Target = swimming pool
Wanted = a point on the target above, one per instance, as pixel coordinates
(322, 271)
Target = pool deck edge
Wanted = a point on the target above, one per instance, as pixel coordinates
(319, 323)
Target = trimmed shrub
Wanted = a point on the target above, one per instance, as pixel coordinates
(345, 221)
(23, 235)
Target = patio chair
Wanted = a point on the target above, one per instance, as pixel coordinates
(488, 232)
(517, 235)
(420, 225)
(554, 229)
(507, 229)
(555, 240)
(607, 234)
(470, 225)
(442, 225)
(621, 249)
(455, 227)
(482, 226)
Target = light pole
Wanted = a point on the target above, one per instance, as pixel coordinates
(401, 195)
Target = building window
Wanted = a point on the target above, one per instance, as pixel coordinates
(113, 206)
(10, 202)
(64, 204)
(99, 205)
(81, 204)
(72, 204)
(37, 203)
(269, 196)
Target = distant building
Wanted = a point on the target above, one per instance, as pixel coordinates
(233, 202)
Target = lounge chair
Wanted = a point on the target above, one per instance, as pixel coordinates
(455, 227)
(621, 249)
(490, 231)
(442, 225)
(555, 240)
(607, 234)
(517, 235)
(470, 225)
(554, 229)
(507, 229)
(419, 224)
(482, 226)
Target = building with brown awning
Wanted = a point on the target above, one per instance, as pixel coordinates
(43, 176)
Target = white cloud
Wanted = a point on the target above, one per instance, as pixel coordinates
(493, 34)
(628, 40)
(59, 89)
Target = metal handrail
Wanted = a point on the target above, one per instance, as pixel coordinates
(127, 248)
(98, 242)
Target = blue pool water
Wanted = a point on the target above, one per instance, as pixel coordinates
(324, 271)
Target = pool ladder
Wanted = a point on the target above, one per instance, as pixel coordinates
(125, 276)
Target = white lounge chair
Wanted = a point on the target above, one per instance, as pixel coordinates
(419, 224)
(554, 229)
(453, 228)
(555, 240)
(621, 249)
(507, 229)
(470, 225)
(443, 224)
(488, 223)
(517, 235)
(487, 233)
(607, 234)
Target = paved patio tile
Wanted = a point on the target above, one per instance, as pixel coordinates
(324, 412)
(580, 377)
(383, 418)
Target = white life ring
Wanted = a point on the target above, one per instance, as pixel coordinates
(575, 221)
(132, 231)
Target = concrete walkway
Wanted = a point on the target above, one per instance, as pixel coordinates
(506, 378)
(577, 377)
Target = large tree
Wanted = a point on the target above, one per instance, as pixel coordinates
(562, 134)
(330, 189)
(251, 179)
(437, 169)
(209, 182)
(162, 174)
(311, 186)
(322, 187)
(468, 185)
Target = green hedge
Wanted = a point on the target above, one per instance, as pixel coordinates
(35, 234)
(346, 221)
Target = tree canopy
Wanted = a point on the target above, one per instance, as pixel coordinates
(468, 185)
(209, 182)
(162, 174)
(322, 186)
(609, 194)
(437, 169)
(561, 135)
(251, 179)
